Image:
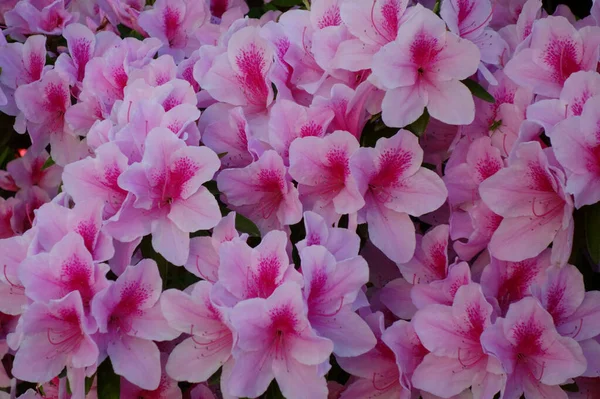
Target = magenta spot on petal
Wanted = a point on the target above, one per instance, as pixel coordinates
(180, 173)
(57, 99)
(76, 275)
(331, 17)
(578, 103)
(555, 296)
(390, 12)
(132, 297)
(171, 21)
(313, 239)
(475, 321)
(120, 78)
(88, 230)
(562, 56)
(311, 129)
(218, 7)
(271, 183)
(392, 165)
(188, 75)
(439, 263)
(242, 137)
(36, 66)
(266, 277)
(252, 64)
(516, 281)
(170, 102)
(487, 167)
(283, 320)
(465, 7)
(81, 55)
(539, 178)
(527, 336)
(424, 51)
(339, 164)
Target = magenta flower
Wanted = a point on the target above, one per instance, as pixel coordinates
(530, 196)
(430, 261)
(289, 120)
(38, 16)
(13, 251)
(341, 243)
(98, 178)
(128, 314)
(263, 192)
(534, 356)
(209, 346)
(556, 51)
(576, 91)
(56, 334)
(29, 170)
(204, 251)
(166, 196)
(576, 144)
(423, 68)
(562, 293)
(328, 186)
(330, 289)
(246, 272)
(67, 267)
(275, 340)
(457, 359)
(442, 291)
(175, 24)
(394, 186)
(505, 282)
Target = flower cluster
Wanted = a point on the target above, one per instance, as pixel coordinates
(329, 199)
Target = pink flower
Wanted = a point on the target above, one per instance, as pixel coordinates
(208, 348)
(374, 23)
(13, 251)
(423, 68)
(275, 340)
(443, 291)
(330, 289)
(56, 334)
(341, 243)
(204, 251)
(574, 311)
(29, 170)
(67, 267)
(23, 63)
(54, 221)
(576, 91)
(44, 104)
(469, 20)
(98, 178)
(167, 388)
(530, 196)
(327, 186)
(246, 272)
(505, 282)
(387, 368)
(128, 314)
(166, 196)
(38, 16)
(289, 120)
(263, 192)
(457, 359)
(430, 261)
(225, 130)
(576, 143)
(534, 356)
(240, 76)
(175, 24)
(394, 186)
(556, 51)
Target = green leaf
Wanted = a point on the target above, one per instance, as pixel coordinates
(478, 91)
(49, 162)
(109, 384)
(286, 3)
(436, 7)
(419, 126)
(245, 225)
(592, 232)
